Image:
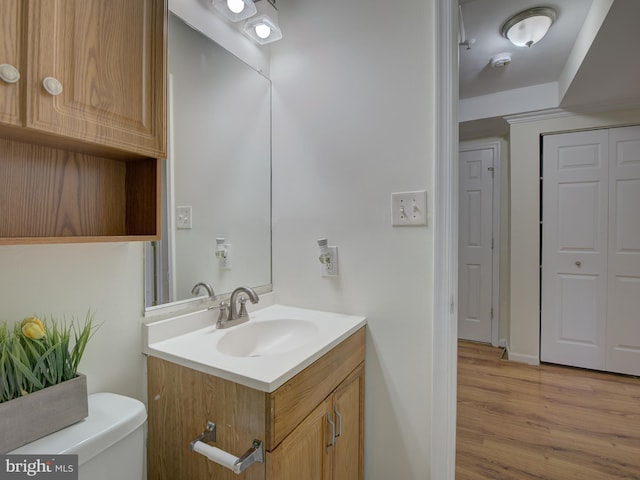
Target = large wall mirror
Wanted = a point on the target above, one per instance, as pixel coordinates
(217, 179)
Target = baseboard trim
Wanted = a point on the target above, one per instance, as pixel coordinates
(521, 358)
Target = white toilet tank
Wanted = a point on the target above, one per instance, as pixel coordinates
(109, 442)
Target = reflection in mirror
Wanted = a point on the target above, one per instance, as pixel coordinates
(218, 175)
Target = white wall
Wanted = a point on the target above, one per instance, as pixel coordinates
(69, 280)
(592, 23)
(509, 102)
(525, 216)
(353, 121)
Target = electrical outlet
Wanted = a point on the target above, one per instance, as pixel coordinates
(183, 217)
(225, 262)
(409, 208)
(330, 268)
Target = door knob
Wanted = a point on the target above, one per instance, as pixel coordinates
(9, 73)
(52, 86)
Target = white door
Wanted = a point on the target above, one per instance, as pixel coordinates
(591, 250)
(574, 246)
(623, 317)
(475, 259)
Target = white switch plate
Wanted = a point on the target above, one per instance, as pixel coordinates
(183, 217)
(409, 208)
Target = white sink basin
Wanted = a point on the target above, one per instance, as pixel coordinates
(269, 337)
(278, 342)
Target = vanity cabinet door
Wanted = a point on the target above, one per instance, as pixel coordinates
(304, 454)
(311, 451)
(348, 411)
(10, 60)
(97, 72)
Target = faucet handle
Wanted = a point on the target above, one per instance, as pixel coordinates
(243, 307)
(222, 316)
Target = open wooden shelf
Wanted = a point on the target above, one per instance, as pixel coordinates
(51, 195)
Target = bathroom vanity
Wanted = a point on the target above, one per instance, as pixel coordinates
(302, 398)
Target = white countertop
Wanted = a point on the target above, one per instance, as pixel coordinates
(191, 341)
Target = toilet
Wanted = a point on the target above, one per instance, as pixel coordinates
(109, 442)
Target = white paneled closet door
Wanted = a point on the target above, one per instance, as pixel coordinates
(475, 275)
(623, 318)
(574, 249)
(591, 250)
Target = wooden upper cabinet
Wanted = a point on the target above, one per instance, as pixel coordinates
(82, 119)
(10, 60)
(108, 58)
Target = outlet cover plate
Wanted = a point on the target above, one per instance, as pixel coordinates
(409, 208)
(330, 269)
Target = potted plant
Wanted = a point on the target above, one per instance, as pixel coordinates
(41, 390)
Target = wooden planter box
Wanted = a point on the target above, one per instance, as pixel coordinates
(25, 419)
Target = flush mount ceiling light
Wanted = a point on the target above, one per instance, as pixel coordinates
(263, 28)
(527, 28)
(235, 10)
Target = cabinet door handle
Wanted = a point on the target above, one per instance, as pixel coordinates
(52, 86)
(339, 417)
(9, 73)
(333, 432)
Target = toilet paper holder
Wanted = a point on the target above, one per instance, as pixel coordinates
(226, 459)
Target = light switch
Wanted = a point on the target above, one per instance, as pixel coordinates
(183, 217)
(409, 208)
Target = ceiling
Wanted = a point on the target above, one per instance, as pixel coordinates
(587, 62)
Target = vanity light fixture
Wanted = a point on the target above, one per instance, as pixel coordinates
(263, 28)
(235, 10)
(528, 27)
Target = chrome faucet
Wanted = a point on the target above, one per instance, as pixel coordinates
(196, 289)
(231, 312)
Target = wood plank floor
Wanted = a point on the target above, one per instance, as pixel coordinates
(554, 423)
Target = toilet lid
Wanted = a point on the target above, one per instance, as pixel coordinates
(111, 418)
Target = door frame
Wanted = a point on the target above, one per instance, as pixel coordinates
(444, 341)
(495, 147)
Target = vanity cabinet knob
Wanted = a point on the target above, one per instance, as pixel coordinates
(578, 264)
(9, 73)
(52, 86)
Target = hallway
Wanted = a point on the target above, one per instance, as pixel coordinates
(554, 423)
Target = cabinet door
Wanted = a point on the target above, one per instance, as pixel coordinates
(109, 59)
(349, 416)
(10, 53)
(304, 454)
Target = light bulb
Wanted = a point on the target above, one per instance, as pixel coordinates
(262, 30)
(236, 6)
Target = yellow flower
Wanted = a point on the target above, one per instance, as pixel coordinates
(33, 328)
